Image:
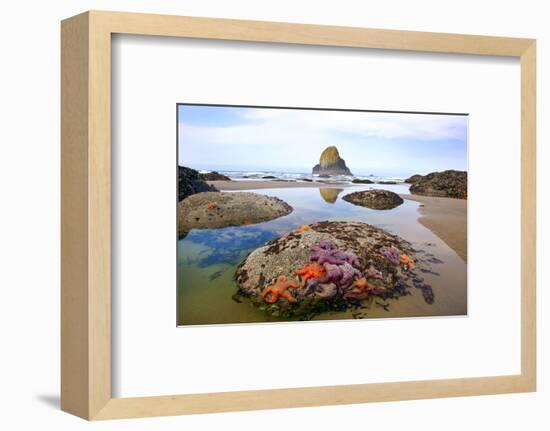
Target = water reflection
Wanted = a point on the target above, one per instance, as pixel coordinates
(228, 245)
(330, 194)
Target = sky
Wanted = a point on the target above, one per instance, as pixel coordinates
(291, 140)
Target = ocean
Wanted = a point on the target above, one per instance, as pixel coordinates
(301, 176)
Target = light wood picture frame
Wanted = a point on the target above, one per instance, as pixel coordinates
(86, 213)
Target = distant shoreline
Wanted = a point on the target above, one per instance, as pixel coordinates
(273, 184)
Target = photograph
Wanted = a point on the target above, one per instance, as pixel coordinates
(294, 214)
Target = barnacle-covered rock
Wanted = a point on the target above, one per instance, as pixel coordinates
(375, 199)
(210, 210)
(446, 184)
(335, 265)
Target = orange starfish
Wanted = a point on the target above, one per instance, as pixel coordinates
(406, 260)
(211, 205)
(313, 270)
(303, 228)
(279, 289)
(363, 285)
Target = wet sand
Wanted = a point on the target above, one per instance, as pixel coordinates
(447, 218)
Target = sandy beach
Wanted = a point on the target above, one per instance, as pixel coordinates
(446, 218)
(443, 216)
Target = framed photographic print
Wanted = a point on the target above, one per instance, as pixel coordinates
(268, 193)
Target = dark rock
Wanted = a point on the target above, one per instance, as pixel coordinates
(448, 184)
(214, 176)
(358, 181)
(413, 179)
(221, 209)
(307, 180)
(375, 199)
(269, 177)
(330, 163)
(190, 182)
(388, 182)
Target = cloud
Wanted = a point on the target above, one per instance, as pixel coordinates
(276, 126)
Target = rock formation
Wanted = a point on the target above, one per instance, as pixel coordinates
(214, 176)
(190, 182)
(375, 199)
(413, 179)
(447, 184)
(332, 265)
(211, 210)
(330, 163)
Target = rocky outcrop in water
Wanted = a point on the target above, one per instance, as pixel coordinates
(190, 182)
(413, 179)
(214, 176)
(375, 199)
(330, 163)
(327, 266)
(221, 209)
(358, 181)
(447, 184)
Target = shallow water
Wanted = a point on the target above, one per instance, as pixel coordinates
(207, 260)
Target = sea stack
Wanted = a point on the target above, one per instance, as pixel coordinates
(330, 163)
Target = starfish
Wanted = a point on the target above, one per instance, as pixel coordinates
(326, 252)
(391, 253)
(372, 272)
(313, 270)
(363, 285)
(406, 261)
(326, 290)
(279, 289)
(303, 228)
(348, 273)
(325, 256)
(211, 205)
(323, 245)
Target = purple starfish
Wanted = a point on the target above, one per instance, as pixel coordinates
(326, 252)
(324, 256)
(326, 290)
(348, 272)
(391, 253)
(372, 272)
(347, 256)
